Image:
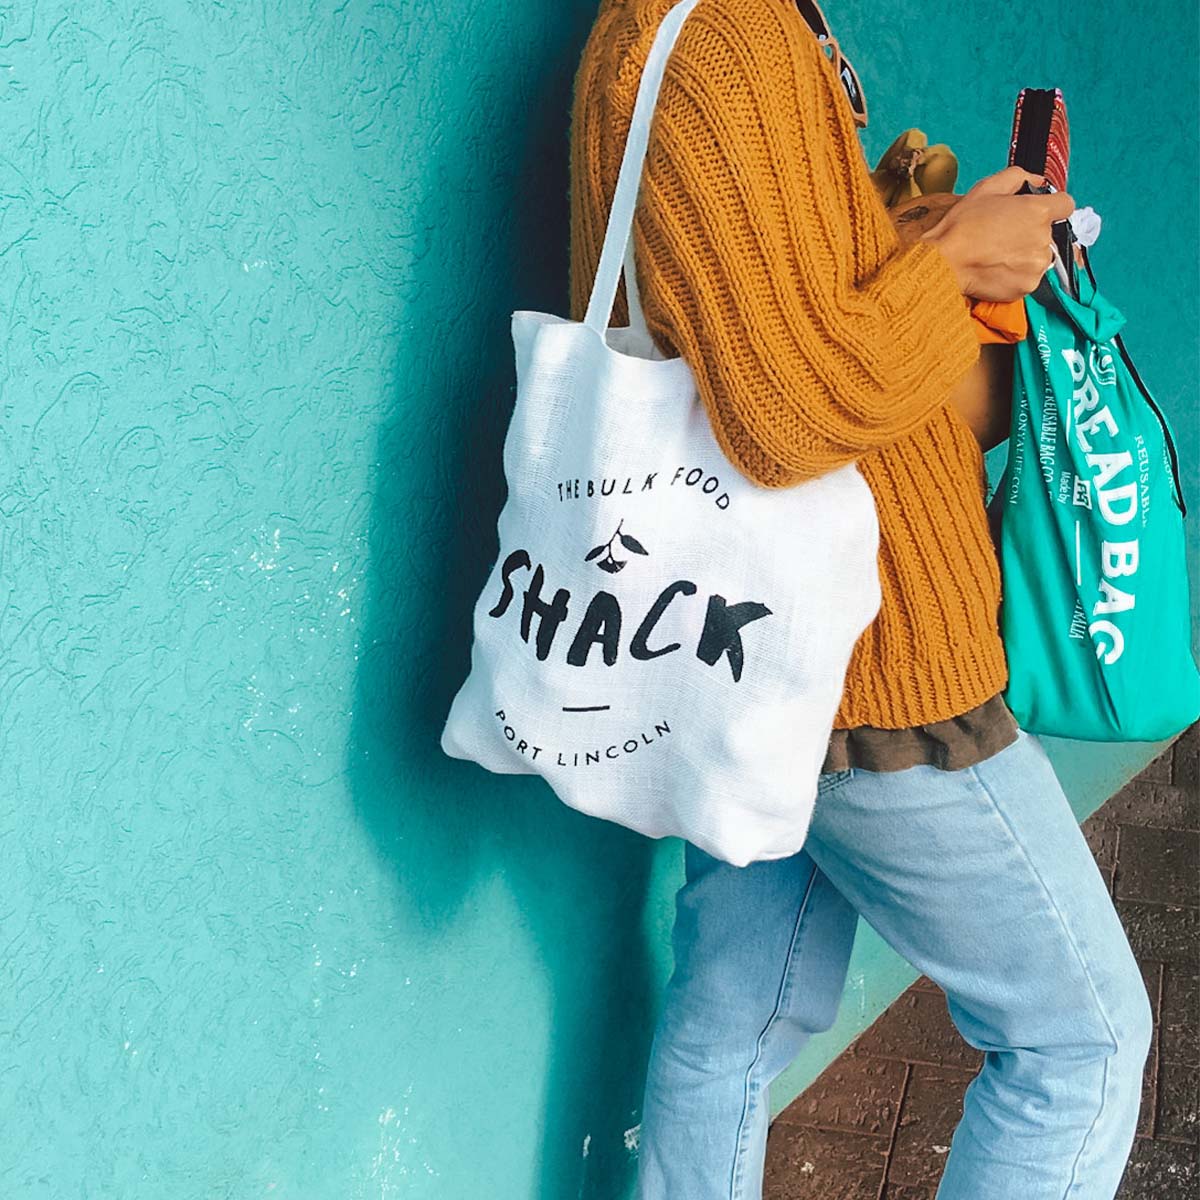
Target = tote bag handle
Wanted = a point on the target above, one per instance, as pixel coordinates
(616, 254)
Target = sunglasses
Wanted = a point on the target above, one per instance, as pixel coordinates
(812, 13)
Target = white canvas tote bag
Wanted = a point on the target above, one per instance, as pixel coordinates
(661, 639)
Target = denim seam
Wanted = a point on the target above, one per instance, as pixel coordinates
(739, 1149)
(835, 779)
(1072, 1182)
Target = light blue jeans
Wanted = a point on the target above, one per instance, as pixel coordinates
(982, 879)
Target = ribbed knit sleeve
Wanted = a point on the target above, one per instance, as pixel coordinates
(766, 258)
(752, 233)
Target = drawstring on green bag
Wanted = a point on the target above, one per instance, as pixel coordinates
(1088, 520)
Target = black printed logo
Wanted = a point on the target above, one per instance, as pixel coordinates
(604, 624)
(609, 562)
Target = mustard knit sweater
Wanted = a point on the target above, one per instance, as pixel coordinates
(766, 259)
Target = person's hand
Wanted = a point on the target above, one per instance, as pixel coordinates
(999, 243)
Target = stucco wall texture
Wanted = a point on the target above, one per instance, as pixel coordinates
(257, 937)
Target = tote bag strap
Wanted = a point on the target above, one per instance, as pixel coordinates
(617, 251)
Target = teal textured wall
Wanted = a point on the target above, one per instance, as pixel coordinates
(258, 939)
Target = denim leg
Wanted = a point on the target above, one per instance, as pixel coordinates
(982, 879)
(760, 962)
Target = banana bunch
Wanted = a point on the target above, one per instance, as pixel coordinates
(910, 167)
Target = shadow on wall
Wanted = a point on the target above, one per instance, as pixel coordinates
(489, 233)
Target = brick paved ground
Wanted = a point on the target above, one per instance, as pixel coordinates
(876, 1125)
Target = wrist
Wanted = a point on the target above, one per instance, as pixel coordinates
(946, 244)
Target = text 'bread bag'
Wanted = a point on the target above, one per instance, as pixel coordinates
(662, 640)
(1095, 611)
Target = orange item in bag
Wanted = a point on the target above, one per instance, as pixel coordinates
(999, 320)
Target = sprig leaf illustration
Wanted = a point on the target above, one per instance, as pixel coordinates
(608, 562)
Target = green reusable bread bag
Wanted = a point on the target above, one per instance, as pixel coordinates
(1088, 521)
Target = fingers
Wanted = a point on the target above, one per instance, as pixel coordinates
(1059, 205)
(1008, 181)
(1055, 206)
